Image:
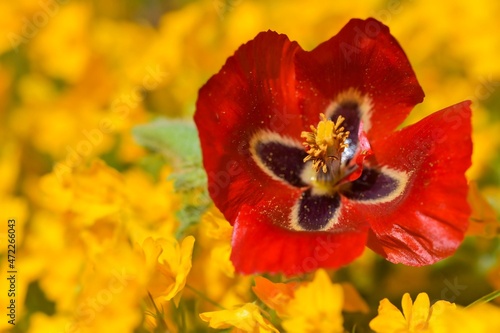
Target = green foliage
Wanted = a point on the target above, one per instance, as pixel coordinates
(177, 140)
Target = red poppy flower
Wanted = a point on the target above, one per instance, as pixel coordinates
(304, 160)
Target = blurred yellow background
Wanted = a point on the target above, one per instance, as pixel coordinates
(77, 76)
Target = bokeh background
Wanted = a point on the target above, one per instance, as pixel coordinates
(77, 76)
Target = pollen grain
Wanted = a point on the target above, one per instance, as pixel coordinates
(325, 143)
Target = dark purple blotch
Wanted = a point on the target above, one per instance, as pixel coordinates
(286, 162)
(315, 211)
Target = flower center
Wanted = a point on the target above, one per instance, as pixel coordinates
(324, 146)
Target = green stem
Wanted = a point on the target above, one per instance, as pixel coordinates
(202, 295)
(182, 325)
(486, 298)
(161, 324)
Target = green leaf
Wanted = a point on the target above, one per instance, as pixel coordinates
(176, 139)
(189, 215)
(485, 299)
(190, 179)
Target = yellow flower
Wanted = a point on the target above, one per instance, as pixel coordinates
(49, 239)
(442, 317)
(219, 232)
(217, 227)
(353, 302)
(170, 264)
(11, 207)
(278, 296)
(85, 222)
(213, 271)
(42, 323)
(246, 318)
(481, 318)
(89, 194)
(316, 307)
(62, 48)
(110, 288)
(152, 203)
(13, 22)
(220, 255)
(416, 317)
(274, 295)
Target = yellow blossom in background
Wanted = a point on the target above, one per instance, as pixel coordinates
(213, 272)
(62, 48)
(316, 307)
(11, 205)
(220, 231)
(247, 318)
(477, 318)
(99, 244)
(221, 255)
(42, 323)
(353, 301)
(17, 31)
(152, 204)
(170, 263)
(416, 317)
(90, 194)
(441, 317)
(83, 224)
(278, 296)
(217, 227)
(274, 295)
(112, 287)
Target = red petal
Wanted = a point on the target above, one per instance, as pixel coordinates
(428, 221)
(254, 90)
(259, 246)
(364, 56)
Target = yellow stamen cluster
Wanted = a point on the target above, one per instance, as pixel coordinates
(325, 143)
